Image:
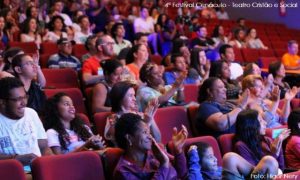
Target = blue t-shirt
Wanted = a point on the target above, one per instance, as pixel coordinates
(170, 78)
(207, 109)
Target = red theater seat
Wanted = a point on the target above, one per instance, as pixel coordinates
(11, 170)
(61, 78)
(225, 142)
(190, 93)
(28, 47)
(100, 121)
(75, 166)
(250, 55)
(192, 115)
(110, 160)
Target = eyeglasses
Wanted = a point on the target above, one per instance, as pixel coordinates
(108, 43)
(28, 63)
(19, 99)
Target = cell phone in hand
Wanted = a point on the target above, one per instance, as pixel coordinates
(277, 132)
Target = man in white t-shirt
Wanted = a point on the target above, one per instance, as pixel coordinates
(22, 135)
(227, 54)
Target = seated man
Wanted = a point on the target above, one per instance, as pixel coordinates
(22, 136)
(179, 67)
(291, 59)
(64, 59)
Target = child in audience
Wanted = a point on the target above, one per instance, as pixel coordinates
(203, 165)
(65, 131)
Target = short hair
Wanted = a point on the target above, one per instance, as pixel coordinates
(248, 70)
(207, 84)
(202, 148)
(175, 56)
(109, 66)
(9, 54)
(80, 18)
(130, 54)
(139, 35)
(128, 123)
(7, 84)
(198, 28)
(17, 61)
(88, 41)
(223, 48)
(100, 40)
(291, 42)
(293, 121)
(274, 67)
(249, 80)
(118, 93)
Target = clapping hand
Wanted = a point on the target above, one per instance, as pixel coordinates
(289, 95)
(275, 94)
(96, 142)
(159, 154)
(179, 138)
(277, 143)
(244, 99)
(151, 110)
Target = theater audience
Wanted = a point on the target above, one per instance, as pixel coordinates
(81, 36)
(66, 132)
(30, 32)
(22, 131)
(268, 108)
(290, 60)
(179, 68)
(142, 157)
(216, 116)
(227, 54)
(122, 98)
(251, 142)
(57, 30)
(277, 70)
(112, 70)
(220, 69)
(91, 69)
(90, 46)
(26, 69)
(253, 41)
(155, 88)
(292, 150)
(203, 165)
(239, 40)
(118, 34)
(64, 58)
(200, 64)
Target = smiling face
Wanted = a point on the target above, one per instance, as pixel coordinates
(225, 71)
(14, 106)
(116, 75)
(58, 24)
(202, 58)
(32, 25)
(66, 109)
(218, 92)
(281, 71)
(142, 138)
(209, 161)
(180, 64)
(293, 49)
(257, 88)
(142, 54)
(129, 101)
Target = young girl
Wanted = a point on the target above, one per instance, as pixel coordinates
(203, 165)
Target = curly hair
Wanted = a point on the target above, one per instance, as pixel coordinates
(52, 121)
(52, 21)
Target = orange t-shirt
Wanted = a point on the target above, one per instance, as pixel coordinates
(290, 60)
(134, 69)
(91, 66)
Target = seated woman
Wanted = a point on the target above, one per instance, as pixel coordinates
(276, 68)
(239, 40)
(30, 32)
(155, 88)
(268, 108)
(142, 157)
(251, 68)
(57, 30)
(292, 150)
(203, 165)
(122, 98)
(216, 116)
(179, 67)
(136, 58)
(251, 142)
(112, 70)
(252, 41)
(200, 64)
(219, 37)
(220, 69)
(65, 131)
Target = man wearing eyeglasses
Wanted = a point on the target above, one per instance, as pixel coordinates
(91, 69)
(64, 58)
(22, 136)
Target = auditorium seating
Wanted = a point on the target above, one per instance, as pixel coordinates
(11, 170)
(100, 121)
(61, 78)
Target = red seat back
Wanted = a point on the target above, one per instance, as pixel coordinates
(84, 118)
(110, 160)
(28, 47)
(226, 143)
(190, 93)
(100, 121)
(265, 61)
(49, 48)
(74, 93)
(250, 55)
(169, 117)
(11, 170)
(192, 115)
(79, 50)
(76, 166)
(61, 78)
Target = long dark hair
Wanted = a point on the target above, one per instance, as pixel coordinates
(195, 59)
(293, 121)
(52, 121)
(248, 131)
(118, 93)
